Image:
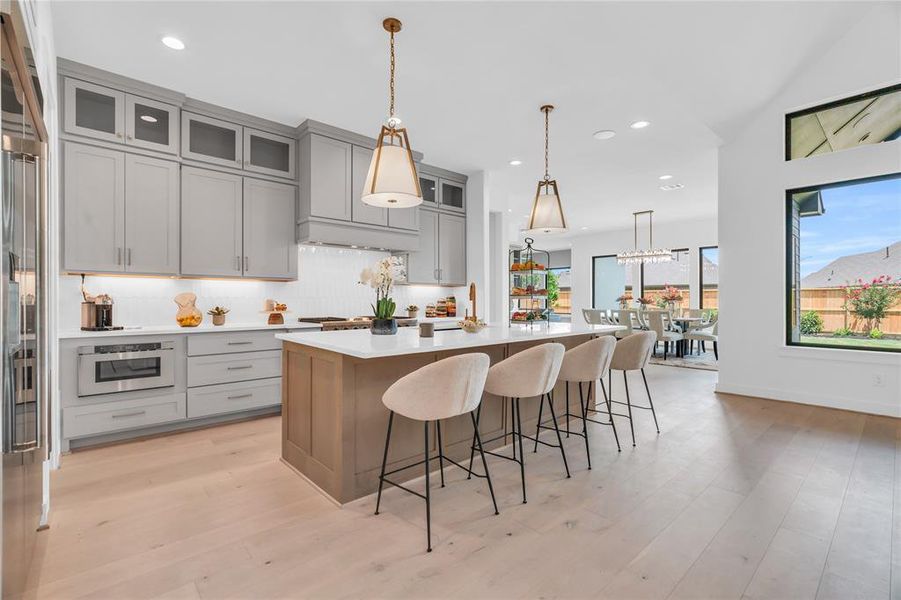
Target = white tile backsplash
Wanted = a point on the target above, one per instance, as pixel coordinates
(327, 286)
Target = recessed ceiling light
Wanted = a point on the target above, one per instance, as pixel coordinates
(640, 124)
(173, 42)
(672, 186)
(604, 134)
(665, 177)
(148, 118)
(515, 162)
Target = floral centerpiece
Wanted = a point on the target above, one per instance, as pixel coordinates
(644, 301)
(670, 296)
(624, 300)
(871, 301)
(381, 278)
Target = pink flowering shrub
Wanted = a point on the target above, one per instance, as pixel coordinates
(871, 301)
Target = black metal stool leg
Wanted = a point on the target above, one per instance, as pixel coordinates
(538, 426)
(440, 452)
(475, 428)
(378, 499)
(566, 413)
(585, 420)
(472, 446)
(550, 404)
(650, 402)
(629, 404)
(513, 413)
(428, 496)
(606, 399)
(610, 416)
(522, 456)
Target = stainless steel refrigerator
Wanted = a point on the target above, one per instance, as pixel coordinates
(23, 335)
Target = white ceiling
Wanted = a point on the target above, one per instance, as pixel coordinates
(471, 77)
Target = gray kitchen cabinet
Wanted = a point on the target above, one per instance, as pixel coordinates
(269, 154)
(429, 186)
(452, 195)
(269, 247)
(422, 265)
(451, 249)
(211, 223)
(94, 111)
(327, 177)
(211, 140)
(94, 207)
(361, 212)
(151, 215)
(151, 124)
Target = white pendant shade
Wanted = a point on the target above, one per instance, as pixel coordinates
(547, 211)
(396, 182)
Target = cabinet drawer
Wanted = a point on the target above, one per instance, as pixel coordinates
(234, 397)
(226, 368)
(79, 421)
(239, 341)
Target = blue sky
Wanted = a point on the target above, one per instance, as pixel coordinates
(859, 218)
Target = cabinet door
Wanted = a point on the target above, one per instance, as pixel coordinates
(422, 265)
(451, 249)
(429, 186)
(94, 196)
(404, 218)
(210, 223)
(211, 140)
(330, 178)
(94, 111)
(151, 124)
(269, 154)
(151, 215)
(363, 213)
(269, 247)
(452, 195)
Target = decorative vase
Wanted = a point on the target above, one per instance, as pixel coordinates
(384, 327)
(188, 314)
(218, 319)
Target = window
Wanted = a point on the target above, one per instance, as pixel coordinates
(864, 119)
(675, 273)
(844, 264)
(709, 273)
(610, 282)
(560, 284)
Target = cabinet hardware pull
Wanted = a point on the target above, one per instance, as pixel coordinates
(118, 256)
(128, 256)
(118, 135)
(240, 367)
(237, 263)
(131, 414)
(129, 137)
(240, 396)
(246, 264)
(238, 343)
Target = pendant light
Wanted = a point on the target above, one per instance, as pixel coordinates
(649, 255)
(392, 181)
(547, 211)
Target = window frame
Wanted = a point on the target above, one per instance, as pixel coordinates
(673, 251)
(701, 274)
(788, 263)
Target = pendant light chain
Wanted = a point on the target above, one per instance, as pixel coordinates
(391, 86)
(547, 113)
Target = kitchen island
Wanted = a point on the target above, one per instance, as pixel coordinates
(333, 419)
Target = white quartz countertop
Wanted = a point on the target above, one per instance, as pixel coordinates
(360, 343)
(175, 329)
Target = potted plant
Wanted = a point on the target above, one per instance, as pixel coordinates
(218, 313)
(412, 311)
(381, 278)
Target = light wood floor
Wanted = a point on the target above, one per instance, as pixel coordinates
(736, 497)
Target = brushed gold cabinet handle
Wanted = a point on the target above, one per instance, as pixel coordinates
(240, 396)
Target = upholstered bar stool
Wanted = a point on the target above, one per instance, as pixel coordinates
(585, 364)
(526, 374)
(632, 354)
(441, 390)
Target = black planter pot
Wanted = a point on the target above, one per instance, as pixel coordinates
(384, 326)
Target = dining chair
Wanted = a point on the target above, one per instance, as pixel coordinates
(665, 334)
(709, 333)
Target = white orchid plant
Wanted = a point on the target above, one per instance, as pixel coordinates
(381, 278)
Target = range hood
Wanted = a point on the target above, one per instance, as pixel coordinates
(354, 235)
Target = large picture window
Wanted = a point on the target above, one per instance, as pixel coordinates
(656, 277)
(843, 272)
(709, 274)
(610, 281)
(868, 118)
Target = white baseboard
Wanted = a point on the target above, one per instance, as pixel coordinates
(862, 406)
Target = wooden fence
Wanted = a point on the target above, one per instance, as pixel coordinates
(827, 302)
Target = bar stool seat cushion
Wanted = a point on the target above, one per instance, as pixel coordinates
(532, 372)
(446, 388)
(634, 352)
(588, 361)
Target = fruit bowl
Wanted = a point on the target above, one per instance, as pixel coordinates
(472, 326)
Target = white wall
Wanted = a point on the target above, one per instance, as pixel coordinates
(327, 286)
(753, 177)
(691, 234)
(477, 268)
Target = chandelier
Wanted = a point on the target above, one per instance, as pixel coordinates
(547, 211)
(639, 256)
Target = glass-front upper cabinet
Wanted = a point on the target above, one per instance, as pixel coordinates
(151, 124)
(429, 186)
(211, 140)
(453, 195)
(268, 153)
(95, 111)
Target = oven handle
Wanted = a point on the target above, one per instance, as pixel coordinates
(100, 357)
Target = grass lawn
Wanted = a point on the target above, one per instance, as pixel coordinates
(856, 342)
